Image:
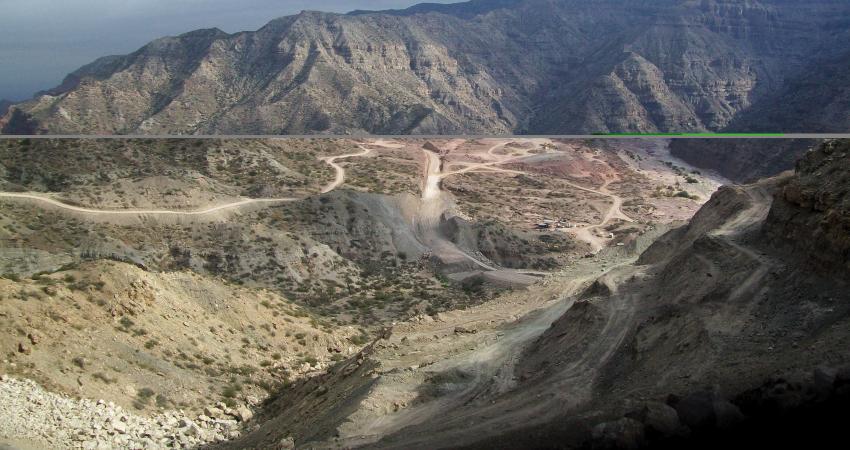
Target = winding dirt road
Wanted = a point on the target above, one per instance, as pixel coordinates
(433, 205)
(614, 212)
(584, 233)
(431, 209)
(53, 202)
(340, 171)
(330, 160)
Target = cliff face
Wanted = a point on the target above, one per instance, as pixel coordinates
(543, 66)
(742, 160)
(811, 214)
(817, 99)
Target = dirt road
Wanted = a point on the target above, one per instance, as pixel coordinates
(43, 198)
(464, 386)
(340, 171)
(435, 203)
(614, 212)
(477, 388)
(330, 160)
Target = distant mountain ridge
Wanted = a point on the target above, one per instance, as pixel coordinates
(491, 67)
(4, 105)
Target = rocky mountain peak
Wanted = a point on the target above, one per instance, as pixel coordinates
(508, 66)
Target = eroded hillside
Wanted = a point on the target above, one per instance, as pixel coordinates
(172, 277)
(718, 326)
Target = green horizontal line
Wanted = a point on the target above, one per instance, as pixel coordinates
(692, 134)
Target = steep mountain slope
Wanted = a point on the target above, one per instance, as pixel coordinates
(742, 312)
(123, 326)
(810, 214)
(816, 99)
(728, 302)
(541, 66)
(742, 160)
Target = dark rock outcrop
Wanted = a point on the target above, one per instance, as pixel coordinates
(811, 214)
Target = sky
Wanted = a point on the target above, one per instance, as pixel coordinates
(44, 40)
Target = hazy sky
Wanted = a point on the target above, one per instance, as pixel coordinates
(43, 40)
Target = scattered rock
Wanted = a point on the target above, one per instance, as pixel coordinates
(213, 411)
(244, 414)
(285, 444)
(29, 412)
(463, 330)
(119, 426)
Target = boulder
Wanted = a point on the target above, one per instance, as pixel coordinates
(464, 330)
(704, 410)
(624, 433)
(244, 414)
(119, 426)
(285, 444)
(823, 378)
(842, 381)
(727, 415)
(213, 412)
(696, 410)
(659, 419)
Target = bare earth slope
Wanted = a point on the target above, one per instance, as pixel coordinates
(540, 66)
(169, 274)
(686, 342)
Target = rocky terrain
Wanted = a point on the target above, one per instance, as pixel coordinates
(169, 277)
(742, 160)
(717, 328)
(433, 333)
(30, 413)
(809, 215)
(535, 66)
(814, 100)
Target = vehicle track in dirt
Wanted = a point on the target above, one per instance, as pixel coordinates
(41, 198)
(339, 179)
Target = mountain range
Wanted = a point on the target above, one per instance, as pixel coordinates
(485, 67)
